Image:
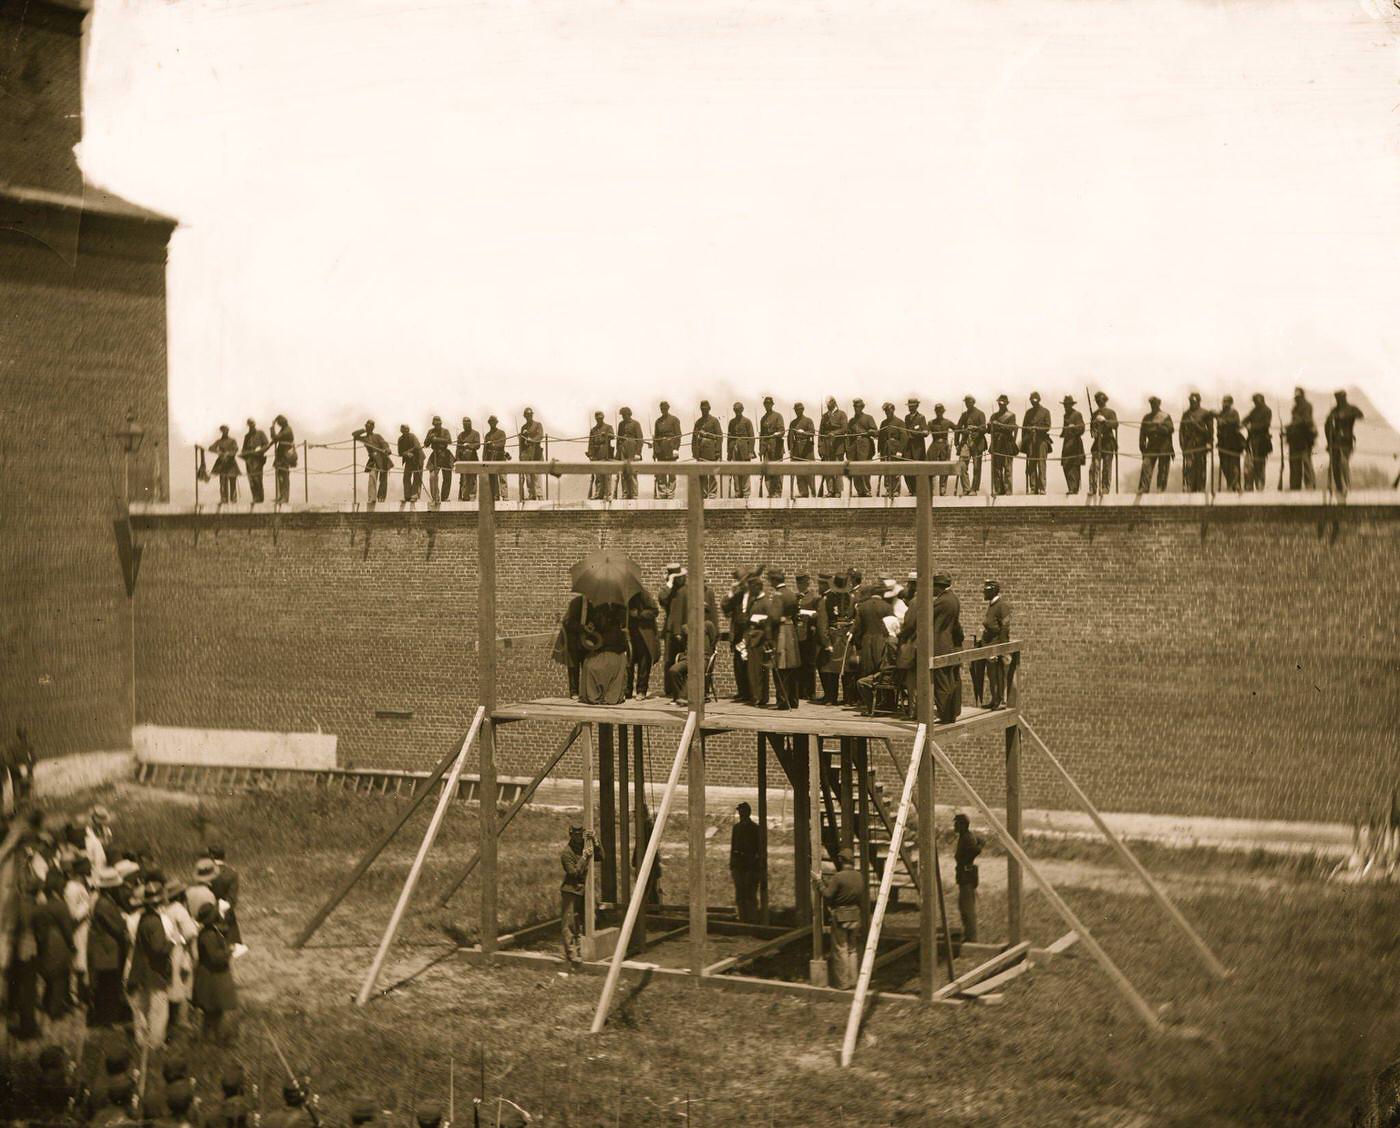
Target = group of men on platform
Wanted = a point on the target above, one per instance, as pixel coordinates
(253, 452)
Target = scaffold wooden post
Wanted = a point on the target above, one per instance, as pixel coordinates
(817, 970)
(927, 792)
(639, 783)
(624, 833)
(607, 811)
(1013, 827)
(763, 914)
(793, 756)
(695, 678)
(486, 689)
(590, 886)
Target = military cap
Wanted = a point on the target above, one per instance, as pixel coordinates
(1035, 397)
(1155, 401)
(1100, 397)
(823, 576)
(575, 828)
(437, 420)
(627, 411)
(174, 1068)
(969, 400)
(429, 1114)
(1003, 398)
(839, 582)
(704, 405)
(804, 575)
(767, 401)
(215, 850)
(179, 1095)
(942, 579)
(846, 856)
(991, 584)
(665, 406)
(491, 419)
(938, 407)
(232, 1080)
(529, 411)
(887, 406)
(738, 406)
(776, 577)
(858, 402)
(1068, 401)
(797, 406)
(596, 415)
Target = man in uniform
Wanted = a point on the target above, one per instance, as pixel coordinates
(844, 894)
(1259, 441)
(915, 439)
(740, 447)
(377, 462)
(1035, 443)
(1197, 438)
(295, 1114)
(831, 445)
(1229, 441)
(642, 613)
(801, 443)
(1003, 428)
(1301, 434)
(892, 441)
(225, 452)
(834, 616)
(870, 634)
(1103, 447)
(860, 445)
(254, 457)
(411, 454)
(706, 445)
(493, 449)
(600, 449)
(1071, 446)
(808, 643)
(438, 440)
(996, 629)
(284, 458)
(674, 600)
(746, 589)
(784, 608)
(756, 647)
(940, 448)
(629, 448)
(965, 854)
(771, 430)
(531, 450)
(745, 864)
(947, 637)
(468, 450)
(1155, 445)
(1340, 431)
(970, 437)
(576, 859)
(666, 447)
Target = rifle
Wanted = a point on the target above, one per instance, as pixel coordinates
(310, 1104)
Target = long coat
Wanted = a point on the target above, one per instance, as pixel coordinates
(1195, 430)
(707, 439)
(1003, 426)
(782, 625)
(972, 431)
(629, 440)
(834, 613)
(150, 961)
(1072, 439)
(1259, 423)
(832, 441)
(860, 438)
(869, 636)
(1155, 434)
(642, 612)
(740, 438)
(225, 451)
(214, 991)
(439, 442)
(939, 429)
(771, 432)
(255, 451)
(893, 438)
(801, 438)
(915, 436)
(1035, 431)
(53, 929)
(996, 623)
(108, 940)
(666, 437)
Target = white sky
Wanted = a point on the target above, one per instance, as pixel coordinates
(397, 208)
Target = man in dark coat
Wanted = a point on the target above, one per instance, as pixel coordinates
(747, 589)
(808, 640)
(801, 440)
(860, 445)
(225, 452)
(969, 846)
(996, 628)
(758, 643)
(1197, 438)
(1071, 446)
(891, 440)
(225, 887)
(1103, 447)
(915, 439)
(377, 462)
(746, 864)
(706, 445)
(468, 450)
(675, 601)
(53, 931)
(740, 447)
(576, 859)
(666, 447)
(940, 445)
(493, 449)
(1155, 444)
(1229, 441)
(600, 449)
(411, 454)
(947, 638)
(970, 439)
(148, 983)
(831, 445)
(1301, 436)
(642, 613)
(568, 644)
(284, 458)
(531, 450)
(107, 946)
(1036, 443)
(869, 633)
(630, 441)
(438, 440)
(254, 455)
(1340, 431)
(1002, 426)
(771, 431)
(844, 894)
(835, 613)
(783, 608)
(1259, 442)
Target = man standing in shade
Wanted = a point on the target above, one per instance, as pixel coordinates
(996, 629)
(1071, 446)
(629, 448)
(1003, 428)
(844, 893)
(831, 445)
(411, 453)
(745, 864)
(531, 450)
(1155, 444)
(771, 430)
(666, 447)
(740, 447)
(947, 638)
(1103, 449)
(1301, 435)
(971, 439)
(377, 462)
(1036, 443)
(915, 440)
(706, 445)
(494, 450)
(254, 457)
(801, 443)
(860, 445)
(438, 440)
(468, 450)
(1196, 442)
(783, 613)
(600, 449)
(940, 430)
(892, 443)
(1340, 431)
(1259, 441)
(808, 635)
(969, 846)
(1229, 441)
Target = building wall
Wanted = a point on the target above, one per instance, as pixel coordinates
(1180, 659)
(40, 94)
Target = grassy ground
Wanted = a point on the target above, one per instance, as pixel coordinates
(1309, 1016)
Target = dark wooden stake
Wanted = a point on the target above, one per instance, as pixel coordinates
(486, 678)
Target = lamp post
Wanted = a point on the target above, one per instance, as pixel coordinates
(131, 437)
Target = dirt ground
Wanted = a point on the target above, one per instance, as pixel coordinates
(1308, 1017)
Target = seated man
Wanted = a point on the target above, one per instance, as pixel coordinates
(677, 675)
(888, 676)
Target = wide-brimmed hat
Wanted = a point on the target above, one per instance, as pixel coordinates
(107, 877)
(205, 868)
(839, 582)
(127, 868)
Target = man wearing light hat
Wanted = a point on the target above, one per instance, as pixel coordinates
(740, 447)
(1071, 446)
(1003, 428)
(831, 445)
(940, 449)
(915, 436)
(148, 983)
(771, 430)
(666, 447)
(630, 443)
(1035, 443)
(1155, 443)
(706, 445)
(107, 945)
(844, 894)
(801, 446)
(531, 450)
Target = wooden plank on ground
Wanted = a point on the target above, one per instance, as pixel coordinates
(987, 986)
(983, 970)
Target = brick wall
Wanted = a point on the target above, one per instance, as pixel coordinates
(1180, 660)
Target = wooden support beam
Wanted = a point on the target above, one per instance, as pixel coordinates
(1010, 955)
(529, 932)
(489, 925)
(998, 981)
(624, 821)
(640, 813)
(959, 657)
(877, 919)
(406, 894)
(590, 885)
(793, 757)
(816, 968)
(763, 913)
(896, 953)
(862, 820)
(1165, 903)
(520, 801)
(767, 948)
(923, 698)
(634, 906)
(1014, 916)
(607, 814)
(695, 687)
(1119, 980)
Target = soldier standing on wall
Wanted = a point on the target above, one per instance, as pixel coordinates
(940, 427)
(801, 442)
(411, 452)
(1035, 444)
(494, 450)
(1103, 448)
(600, 449)
(915, 439)
(1340, 430)
(1072, 446)
(1155, 444)
(468, 450)
(629, 449)
(860, 445)
(284, 458)
(971, 439)
(531, 450)
(771, 430)
(438, 440)
(1196, 438)
(1003, 428)
(831, 446)
(740, 447)
(1301, 434)
(666, 447)
(377, 462)
(892, 440)
(1229, 441)
(706, 444)
(1258, 425)
(225, 452)
(969, 846)
(254, 457)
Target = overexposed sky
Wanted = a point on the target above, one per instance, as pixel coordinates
(396, 208)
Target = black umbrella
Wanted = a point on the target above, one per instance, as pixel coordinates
(606, 577)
